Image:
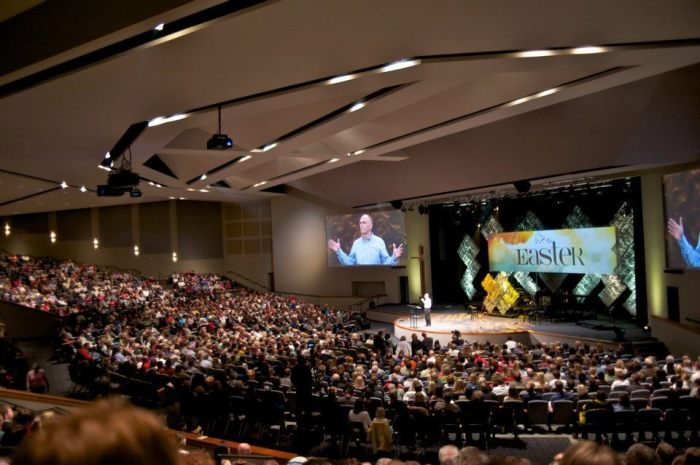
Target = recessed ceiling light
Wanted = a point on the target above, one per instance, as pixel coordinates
(357, 106)
(544, 93)
(535, 53)
(333, 160)
(261, 183)
(158, 185)
(159, 27)
(519, 101)
(166, 119)
(182, 198)
(190, 189)
(269, 147)
(83, 189)
(358, 152)
(588, 50)
(150, 183)
(343, 78)
(171, 198)
(247, 157)
(203, 190)
(401, 64)
(108, 155)
(102, 167)
(203, 177)
(64, 184)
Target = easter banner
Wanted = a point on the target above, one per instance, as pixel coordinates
(585, 250)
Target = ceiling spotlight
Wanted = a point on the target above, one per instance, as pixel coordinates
(103, 167)
(358, 152)
(166, 119)
(203, 177)
(518, 101)
(64, 184)
(357, 106)
(588, 50)
(203, 190)
(333, 160)
(159, 27)
(83, 189)
(547, 92)
(269, 147)
(401, 64)
(535, 53)
(108, 156)
(219, 141)
(247, 157)
(343, 78)
(261, 183)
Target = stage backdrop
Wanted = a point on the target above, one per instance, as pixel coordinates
(460, 232)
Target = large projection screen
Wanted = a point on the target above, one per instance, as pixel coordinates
(366, 239)
(682, 214)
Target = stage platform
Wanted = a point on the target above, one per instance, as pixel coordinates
(496, 329)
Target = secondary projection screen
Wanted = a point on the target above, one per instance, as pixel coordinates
(682, 211)
(367, 239)
(579, 251)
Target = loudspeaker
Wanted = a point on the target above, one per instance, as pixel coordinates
(522, 186)
(397, 204)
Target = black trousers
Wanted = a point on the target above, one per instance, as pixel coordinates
(427, 316)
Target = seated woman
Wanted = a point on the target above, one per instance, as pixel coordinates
(359, 415)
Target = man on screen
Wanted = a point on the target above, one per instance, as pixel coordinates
(690, 255)
(367, 249)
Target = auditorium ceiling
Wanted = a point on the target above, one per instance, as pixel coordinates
(354, 104)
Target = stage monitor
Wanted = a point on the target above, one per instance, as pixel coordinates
(682, 217)
(577, 251)
(366, 239)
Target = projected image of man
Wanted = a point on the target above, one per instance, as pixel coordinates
(691, 255)
(367, 249)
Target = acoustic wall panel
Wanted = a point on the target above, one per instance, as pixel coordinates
(154, 228)
(74, 225)
(199, 234)
(115, 227)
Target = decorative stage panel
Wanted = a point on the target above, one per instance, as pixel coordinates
(468, 251)
(500, 293)
(530, 223)
(578, 219)
(491, 227)
(624, 222)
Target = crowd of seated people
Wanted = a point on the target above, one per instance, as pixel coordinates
(198, 343)
(111, 432)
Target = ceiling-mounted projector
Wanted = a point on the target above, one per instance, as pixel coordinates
(219, 142)
(123, 178)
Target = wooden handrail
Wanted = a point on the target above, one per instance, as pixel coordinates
(196, 440)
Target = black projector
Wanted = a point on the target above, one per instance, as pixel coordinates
(103, 190)
(219, 142)
(123, 179)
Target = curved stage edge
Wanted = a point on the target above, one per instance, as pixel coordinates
(495, 329)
